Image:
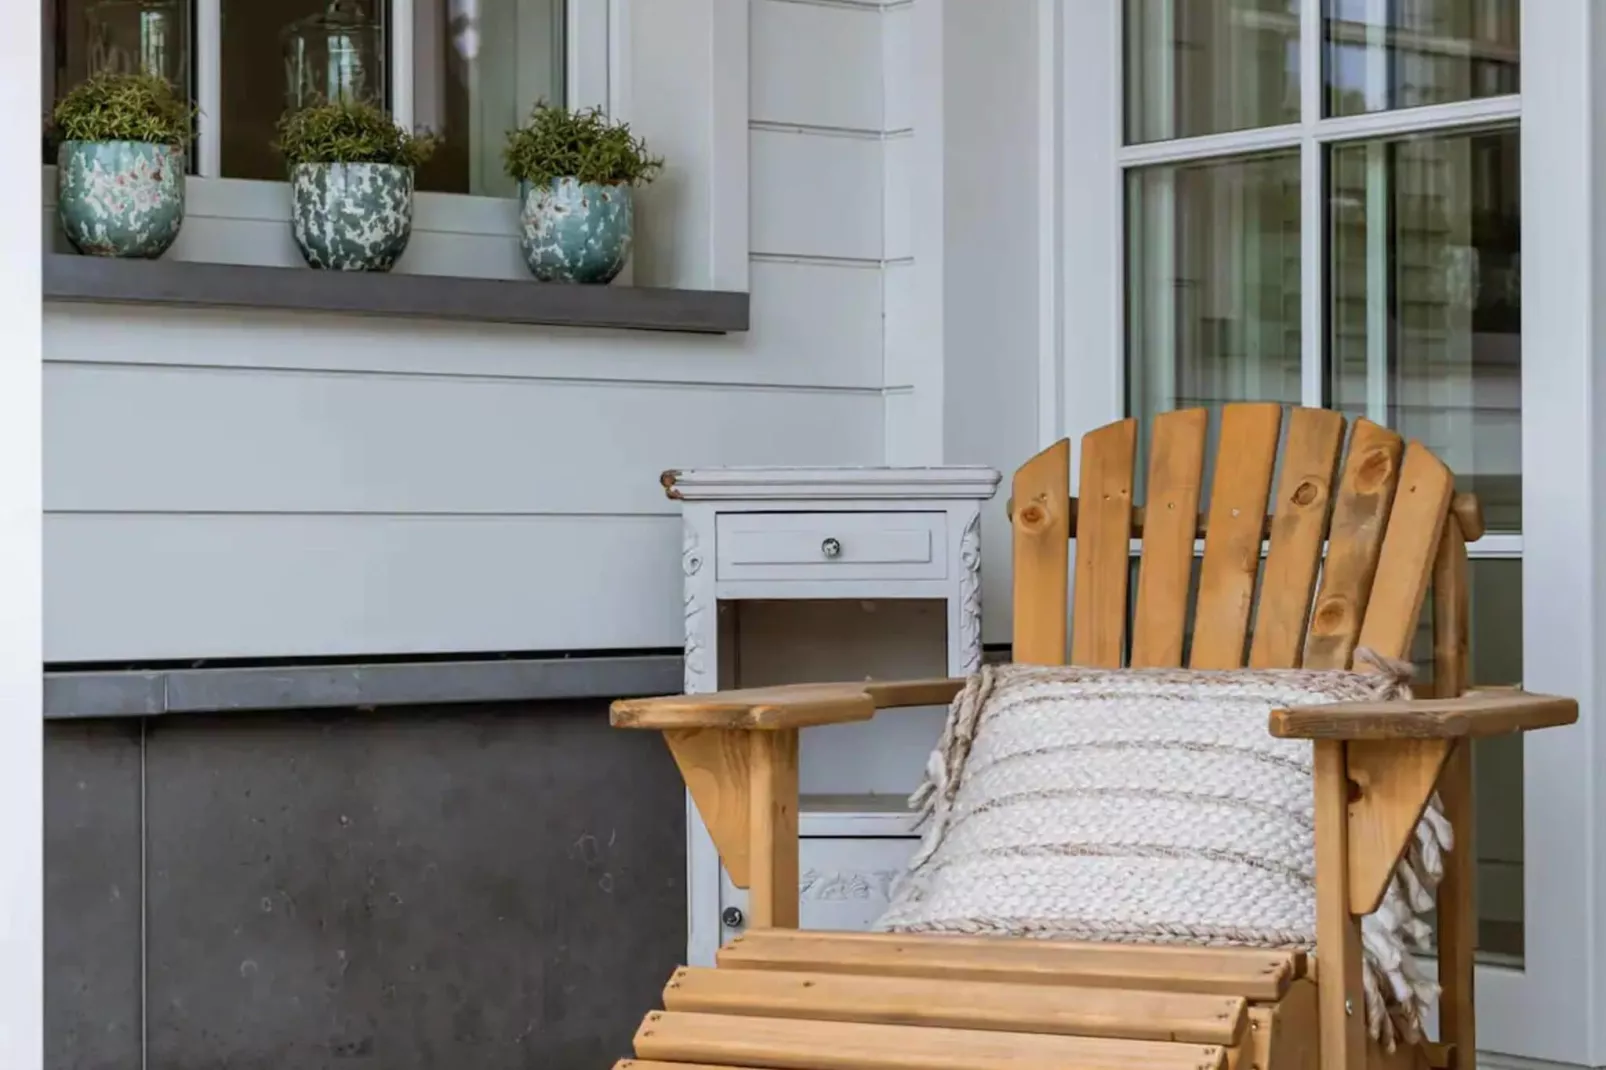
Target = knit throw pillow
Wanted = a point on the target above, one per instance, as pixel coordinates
(1152, 806)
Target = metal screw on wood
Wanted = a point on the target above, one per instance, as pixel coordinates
(1349, 1006)
(732, 917)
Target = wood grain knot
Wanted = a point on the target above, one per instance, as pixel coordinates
(1033, 516)
(1306, 493)
(1330, 615)
(1373, 470)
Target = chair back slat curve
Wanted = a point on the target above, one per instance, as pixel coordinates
(1344, 559)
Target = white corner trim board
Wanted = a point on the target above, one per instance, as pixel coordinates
(21, 729)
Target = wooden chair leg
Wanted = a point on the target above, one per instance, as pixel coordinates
(1341, 1002)
(1457, 914)
(772, 829)
(1457, 911)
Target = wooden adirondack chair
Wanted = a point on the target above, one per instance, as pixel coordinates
(794, 1000)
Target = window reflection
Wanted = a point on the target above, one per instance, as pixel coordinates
(89, 37)
(480, 65)
(1209, 66)
(1213, 284)
(289, 53)
(1424, 301)
(1385, 54)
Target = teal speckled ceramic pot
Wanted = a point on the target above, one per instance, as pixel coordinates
(120, 198)
(351, 216)
(573, 231)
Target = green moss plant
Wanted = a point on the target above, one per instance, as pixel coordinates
(350, 133)
(557, 143)
(123, 107)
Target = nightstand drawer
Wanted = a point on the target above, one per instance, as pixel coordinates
(824, 546)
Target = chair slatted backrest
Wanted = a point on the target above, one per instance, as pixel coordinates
(1380, 512)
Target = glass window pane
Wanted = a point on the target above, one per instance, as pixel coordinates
(1213, 269)
(1205, 66)
(1424, 309)
(289, 53)
(480, 67)
(86, 37)
(1385, 54)
(1497, 782)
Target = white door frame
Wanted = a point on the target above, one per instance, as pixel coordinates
(1555, 1008)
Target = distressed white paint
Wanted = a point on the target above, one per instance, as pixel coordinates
(844, 882)
(812, 535)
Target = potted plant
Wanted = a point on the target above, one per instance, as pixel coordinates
(351, 184)
(576, 173)
(120, 164)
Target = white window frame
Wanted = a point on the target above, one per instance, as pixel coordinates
(225, 215)
(1551, 1009)
(585, 62)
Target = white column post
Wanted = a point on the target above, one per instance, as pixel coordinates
(21, 720)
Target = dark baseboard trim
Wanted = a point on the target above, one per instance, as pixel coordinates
(90, 693)
(74, 695)
(198, 285)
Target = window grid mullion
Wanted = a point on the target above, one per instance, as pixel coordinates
(1428, 119)
(400, 77)
(1312, 213)
(209, 87)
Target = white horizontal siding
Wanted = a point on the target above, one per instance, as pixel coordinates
(163, 586)
(238, 484)
(210, 440)
(813, 325)
(815, 64)
(816, 194)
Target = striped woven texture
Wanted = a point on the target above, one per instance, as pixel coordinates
(1150, 806)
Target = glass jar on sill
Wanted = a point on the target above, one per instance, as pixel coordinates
(335, 56)
(139, 37)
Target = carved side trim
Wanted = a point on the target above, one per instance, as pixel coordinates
(846, 885)
(970, 594)
(697, 613)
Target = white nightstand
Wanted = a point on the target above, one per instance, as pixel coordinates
(859, 534)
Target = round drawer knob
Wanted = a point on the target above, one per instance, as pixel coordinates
(831, 548)
(732, 917)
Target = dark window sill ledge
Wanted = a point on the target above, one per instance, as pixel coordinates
(197, 285)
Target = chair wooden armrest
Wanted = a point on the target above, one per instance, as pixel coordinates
(1472, 715)
(738, 750)
(789, 706)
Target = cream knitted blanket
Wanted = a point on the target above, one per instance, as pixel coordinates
(1152, 806)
